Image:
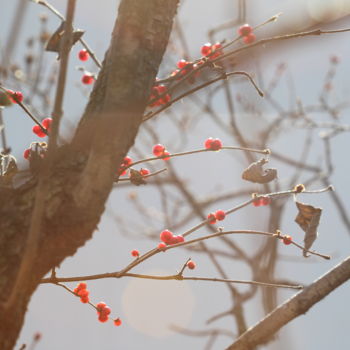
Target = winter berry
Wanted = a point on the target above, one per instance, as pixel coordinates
(166, 236)
(135, 253)
(83, 55)
(26, 153)
(127, 161)
(182, 64)
(106, 311)
(46, 123)
(144, 171)
(220, 215)
(103, 318)
(38, 131)
(206, 49)
(249, 38)
(117, 322)
(177, 239)
(83, 293)
(158, 150)
(213, 144)
(165, 154)
(100, 306)
(216, 48)
(87, 79)
(212, 218)
(161, 246)
(191, 264)
(245, 30)
(15, 96)
(287, 240)
(84, 300)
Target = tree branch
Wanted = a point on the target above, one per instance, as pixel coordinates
(299, 304)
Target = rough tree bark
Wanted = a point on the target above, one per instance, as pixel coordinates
(85, 169)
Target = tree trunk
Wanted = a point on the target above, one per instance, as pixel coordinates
(84, 170)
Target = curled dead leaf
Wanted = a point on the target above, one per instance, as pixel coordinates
(256, 173)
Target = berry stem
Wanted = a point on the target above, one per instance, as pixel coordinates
(222, 76)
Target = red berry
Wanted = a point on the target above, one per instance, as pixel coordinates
(127, 161)
(161, 246)
(83, 55)
(46, 123)
(87, 79)
(212, 219)
(158, 150)
(83, 293)
(245, 30)
(165, 154)
(84, 300)
(103, 318)
(287, 240)
(26, 153)
(220, 215)
(177, 239)
(106, 311)
(249, 38)
(82, 285)
(182, 64)
(38, 131)
(191, 265)
(218, 52)
(135, 253)
(213, 144)
(15, 96)
(117, 322)
(166, 236)
(100, 306)
(144, 171)
(208, 142)
(206, 49)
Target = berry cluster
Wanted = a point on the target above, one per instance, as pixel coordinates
(103, 311)
(213, 51)
(261, 201)
(213, 144)
(186, 67)
(219, 215)
(82, 292)
(156, 91)
(246, 31)
(127, 161)
(168, 238)
(160, 151)
(45, 125)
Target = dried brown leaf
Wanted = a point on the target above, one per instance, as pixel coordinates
(308, 219)
(256, 173)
